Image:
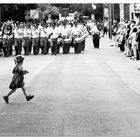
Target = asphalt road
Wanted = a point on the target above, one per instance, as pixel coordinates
(95, 93)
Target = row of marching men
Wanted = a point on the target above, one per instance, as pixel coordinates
(34, 38)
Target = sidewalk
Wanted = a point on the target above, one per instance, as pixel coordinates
(126, 68)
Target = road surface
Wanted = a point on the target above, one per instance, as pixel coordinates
(95, 93)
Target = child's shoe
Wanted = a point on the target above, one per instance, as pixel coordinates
(29, 97)
(6, 99)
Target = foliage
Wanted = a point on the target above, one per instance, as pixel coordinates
(17, 11)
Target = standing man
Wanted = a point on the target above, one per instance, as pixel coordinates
(60, 40)
(105, 27)
(42, 39)
(84, 35)
(18, 34)
(95, 35)
(49, 31)
(65, 33)
(25, 40)
(54, 37)
(35, 39)
(76, 38)
(6, 33)
(114, 32)
(29, 33)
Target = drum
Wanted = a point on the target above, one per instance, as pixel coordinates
(68, 40)
(59, 40)
(78, 40)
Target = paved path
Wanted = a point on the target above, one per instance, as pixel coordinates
(95, 93)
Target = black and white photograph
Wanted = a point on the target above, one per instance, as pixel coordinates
(69, 69)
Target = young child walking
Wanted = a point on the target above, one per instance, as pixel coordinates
(18, 79)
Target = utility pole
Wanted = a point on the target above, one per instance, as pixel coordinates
(0, 13)
(110, 21)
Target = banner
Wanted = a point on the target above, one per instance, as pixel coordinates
(34, 14)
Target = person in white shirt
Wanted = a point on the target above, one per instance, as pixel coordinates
(84, 34)
(48, 32)
(25, 40)
(95, 36)
(134, 43)
(76, 31)
(54, 37)
(66, 36)
(42, 39)
(45, 40)
(60, 40)
(29, 33)
(105, 27)
(35, 39)
(18, 34)
(7, 43)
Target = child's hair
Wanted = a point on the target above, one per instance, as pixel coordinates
(17, 62)
(18, 59)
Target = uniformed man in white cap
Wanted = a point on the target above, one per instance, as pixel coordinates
(18, 34)
(25, 40)
(35, 39)
(6, 33)
(54, 38)
(77, 38)
(48, 32)
(67, 38)
(42, 39)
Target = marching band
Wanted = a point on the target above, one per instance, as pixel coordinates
(36, 38)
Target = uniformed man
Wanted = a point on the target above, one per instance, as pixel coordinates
(29, 33)
(95, 36)
(6, 32)
(18, 34)
(45, 40)
(60, 40)
(84, 35)
(35, 39)
(67, 38)
(42, 39)
(77, 38)
(48, 32)
(54, 37)
(26, 40)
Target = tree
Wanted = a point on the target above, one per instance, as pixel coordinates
(15, 11)
(52, 10)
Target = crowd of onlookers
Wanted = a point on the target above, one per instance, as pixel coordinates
(126, 36)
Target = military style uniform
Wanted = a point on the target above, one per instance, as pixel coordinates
(96, 36)
(29, 33)
(54, 38)
(18, 34)
(43, 40)
(35, 40)
(77, 39)
(7, 31)
(67, 38)
(48, 32)
(26, 41)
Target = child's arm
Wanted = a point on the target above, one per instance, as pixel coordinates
(25, 71)
(21, 70)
